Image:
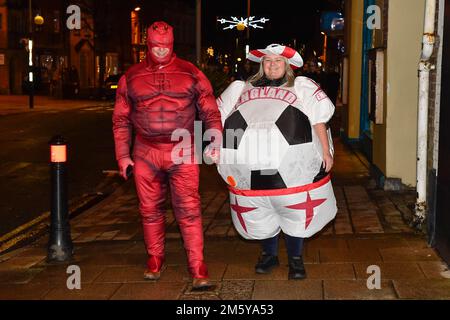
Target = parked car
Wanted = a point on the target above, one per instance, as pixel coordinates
(110, 87)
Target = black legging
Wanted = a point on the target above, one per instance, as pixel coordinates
(294, 245)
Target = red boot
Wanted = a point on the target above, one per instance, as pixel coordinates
(154, 266)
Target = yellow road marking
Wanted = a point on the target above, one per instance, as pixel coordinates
(11, 234)
(10, 239)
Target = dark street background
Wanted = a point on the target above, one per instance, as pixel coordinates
(24, 159)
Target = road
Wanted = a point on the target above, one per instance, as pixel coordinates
(24, 160)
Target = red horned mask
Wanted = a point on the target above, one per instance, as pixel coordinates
(160, 35)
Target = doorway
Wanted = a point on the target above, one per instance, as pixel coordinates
(442, 236)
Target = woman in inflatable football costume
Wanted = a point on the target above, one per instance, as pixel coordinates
(276, 156)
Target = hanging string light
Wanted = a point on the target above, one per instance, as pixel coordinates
(242, 23)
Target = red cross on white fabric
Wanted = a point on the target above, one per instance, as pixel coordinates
(239, 211)
(308, 206)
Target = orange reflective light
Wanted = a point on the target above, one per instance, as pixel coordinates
(114, 86)
(58, 153)
(231, 181)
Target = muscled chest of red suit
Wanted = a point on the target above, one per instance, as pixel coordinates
(162, 100)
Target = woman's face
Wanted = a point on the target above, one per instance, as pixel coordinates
(274, 66)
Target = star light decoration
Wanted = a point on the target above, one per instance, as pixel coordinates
(243, 23)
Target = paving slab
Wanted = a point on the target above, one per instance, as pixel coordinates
(114, 259)
(408, 254)
(97, 291)
(126, 274)
(435, 270)
(21, 262)
(18, 276)
(24, 291)
(391, 270)
(106, 247)
(346, 255)
(288, 290)
(246, 271)
(373, 244)
(423, 289)
(357, 290)
(326, 243)
(237, 290)
(342, 271)
(57, 274)
(149, 291)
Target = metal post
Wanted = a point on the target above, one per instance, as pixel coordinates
(60, 247)
(198, 31)
(30, 55)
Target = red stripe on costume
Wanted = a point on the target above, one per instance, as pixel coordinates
(315, 83)
(280, 192)
(257, 53)
(288, 52)
(318, 90)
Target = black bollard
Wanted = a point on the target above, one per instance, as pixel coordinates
(60, 247)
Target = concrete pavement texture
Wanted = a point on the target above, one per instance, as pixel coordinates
(369, 230)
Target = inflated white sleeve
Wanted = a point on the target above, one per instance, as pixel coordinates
(314, 102)
(228, 99)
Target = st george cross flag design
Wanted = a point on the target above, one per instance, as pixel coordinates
(274, 168)
(302, 213)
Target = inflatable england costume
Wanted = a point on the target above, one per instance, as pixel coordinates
(271, 157)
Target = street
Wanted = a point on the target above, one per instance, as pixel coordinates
(369, 231)
(333, 126)
(24, 158)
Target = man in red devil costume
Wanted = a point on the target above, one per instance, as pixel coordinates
(156, 97)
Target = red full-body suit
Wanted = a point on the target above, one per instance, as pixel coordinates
(156, 97)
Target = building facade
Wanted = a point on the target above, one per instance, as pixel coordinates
(382, 96)
(76, 62)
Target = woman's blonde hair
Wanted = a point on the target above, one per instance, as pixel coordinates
(289, 75)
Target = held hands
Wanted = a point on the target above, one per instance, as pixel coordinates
(327, 161)
(212, 154)
(123, 165)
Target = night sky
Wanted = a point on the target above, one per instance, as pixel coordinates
(301, 22)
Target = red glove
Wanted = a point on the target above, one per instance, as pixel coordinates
(123, 165)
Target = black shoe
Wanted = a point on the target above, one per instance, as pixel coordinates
(296, 268)
(266, 263)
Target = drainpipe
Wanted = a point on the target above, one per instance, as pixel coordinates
(425, 67)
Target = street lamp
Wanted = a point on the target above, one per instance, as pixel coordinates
(39, 20)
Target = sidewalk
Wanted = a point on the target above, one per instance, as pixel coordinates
(18, 104)
(369, 230)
